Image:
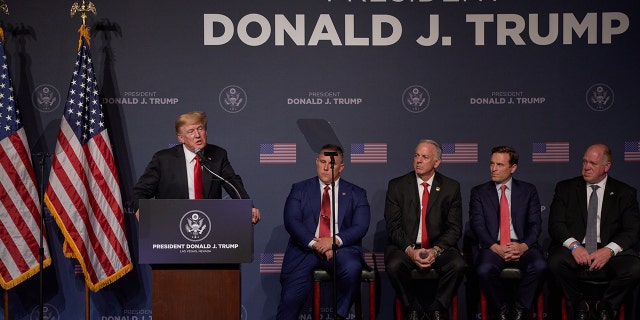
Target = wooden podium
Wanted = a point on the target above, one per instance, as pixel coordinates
(195, 248)
(210, 293)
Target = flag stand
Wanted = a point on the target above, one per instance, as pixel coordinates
(42, 156)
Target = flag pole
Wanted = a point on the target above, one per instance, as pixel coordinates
(84, 32)
(6, 304)
(87, 307)
(4, 8)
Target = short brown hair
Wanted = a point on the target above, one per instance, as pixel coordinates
(513, 154)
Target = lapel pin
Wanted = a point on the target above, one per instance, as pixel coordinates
(437, 189)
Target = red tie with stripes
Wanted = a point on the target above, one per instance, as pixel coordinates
(197, 179)
(424, 242)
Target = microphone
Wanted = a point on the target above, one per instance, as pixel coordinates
(331, 153)
(204, 161)
(423, 253)
(200, 155)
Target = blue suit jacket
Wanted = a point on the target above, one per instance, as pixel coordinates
(301, 212)
(484, 213)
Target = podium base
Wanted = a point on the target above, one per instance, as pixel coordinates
(195, 292)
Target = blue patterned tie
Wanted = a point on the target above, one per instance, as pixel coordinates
(591, 238)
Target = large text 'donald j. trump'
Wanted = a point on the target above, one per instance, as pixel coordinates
(386, 30)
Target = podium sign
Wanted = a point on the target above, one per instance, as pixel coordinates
(183, 231)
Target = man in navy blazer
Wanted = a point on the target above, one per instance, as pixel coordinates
(169, 174)
(406, 249)
(307, 249)
(519, 247)
(617, 233)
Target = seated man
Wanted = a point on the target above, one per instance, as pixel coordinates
(308, 219)
(504, 215)
(594, 225)
(423, 212)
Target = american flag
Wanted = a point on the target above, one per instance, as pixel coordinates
(271, 262)
(368, 152)
(277, 153)
(19, 202)
(375, 260)
(459, 152)
(550, 152)
(83, 192)
(632, 151)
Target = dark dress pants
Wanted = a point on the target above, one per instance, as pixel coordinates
(449, 265)
(489, 266)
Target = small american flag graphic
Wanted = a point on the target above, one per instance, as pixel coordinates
(277, 153)
(375, 260)
(632, 151)
(460, 152)
(271, 262)
(550, 152)
(368, 152)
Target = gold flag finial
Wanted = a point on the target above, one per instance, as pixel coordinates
(3, 7)
(84, 8)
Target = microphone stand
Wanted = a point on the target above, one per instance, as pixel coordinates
(334, 246)
(42, 156)
(203, 163)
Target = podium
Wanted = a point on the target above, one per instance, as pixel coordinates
(195, 248)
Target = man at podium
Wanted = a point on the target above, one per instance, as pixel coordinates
(308, 218)
(192, 169)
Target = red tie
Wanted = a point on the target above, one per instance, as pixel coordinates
(197, 180)
(505, 229)
(325, 215)
(424, 242)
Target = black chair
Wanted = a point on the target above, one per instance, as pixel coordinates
(369, 276)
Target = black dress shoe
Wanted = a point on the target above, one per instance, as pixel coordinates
(603, 311)
(413, 315)
(503, 313)
(520, 312)
(581, 311)
(435, 315)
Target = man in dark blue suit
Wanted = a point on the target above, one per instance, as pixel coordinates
(507, 236)
(308, 219)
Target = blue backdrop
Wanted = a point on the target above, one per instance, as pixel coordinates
(548, 77)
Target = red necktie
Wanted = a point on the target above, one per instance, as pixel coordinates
(424, 242)
(197, 180)
(505, 228)
(325, 215)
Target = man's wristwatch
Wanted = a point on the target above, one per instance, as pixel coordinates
(613, 253)
(438, 252)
